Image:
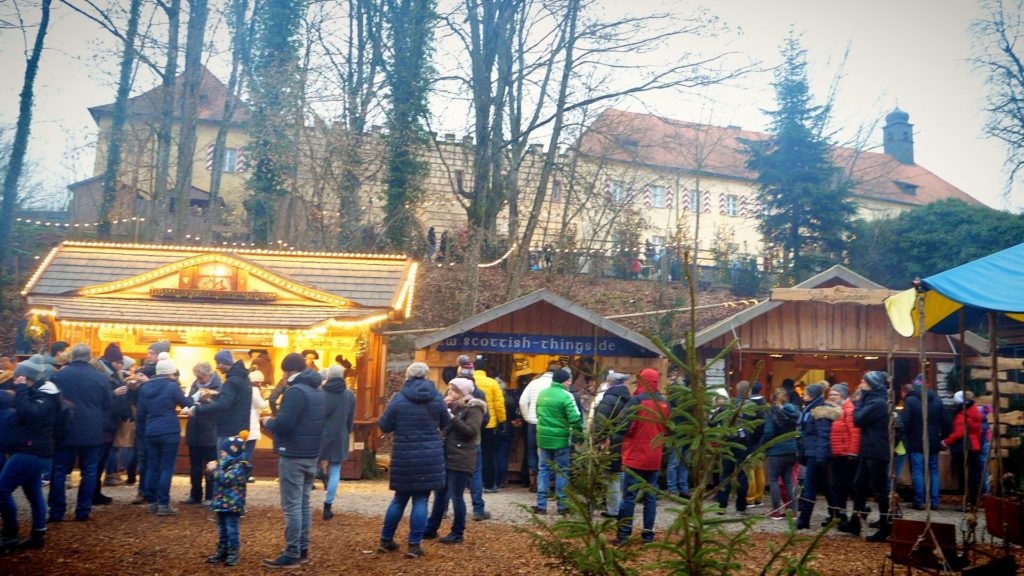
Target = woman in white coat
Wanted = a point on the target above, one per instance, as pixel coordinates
(258, 404)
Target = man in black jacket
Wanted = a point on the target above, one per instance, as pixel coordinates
(232, 406)
(297, 431)
(89, 391)
(609, 423)
(871, 415)
(913, 440)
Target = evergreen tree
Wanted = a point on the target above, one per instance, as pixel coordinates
(806, 201)
(275, 104)
(410, 35)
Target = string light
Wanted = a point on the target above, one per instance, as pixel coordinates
(405, 294)
(261, 251)
(39, 271)
(31, 222)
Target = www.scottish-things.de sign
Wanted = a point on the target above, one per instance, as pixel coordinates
(542, 344)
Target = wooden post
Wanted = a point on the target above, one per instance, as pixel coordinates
(993, 350)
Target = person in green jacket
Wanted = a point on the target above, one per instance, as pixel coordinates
(558, 418)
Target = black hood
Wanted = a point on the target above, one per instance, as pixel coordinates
(335, 385)
(419, 390)
(239, 370)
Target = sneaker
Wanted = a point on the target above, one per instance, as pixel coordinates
(387, 546)
(490, 490)
(166, 511)
(451, 539)
(84, 518)
(539, 511)
(777, 515)
(190, 501)
(114, 480)
(282, 561)
(139, 499)
(415, 551)
(743, 512)
(46, 483)
(482, 516)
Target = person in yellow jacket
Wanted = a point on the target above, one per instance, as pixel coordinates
(490, 437)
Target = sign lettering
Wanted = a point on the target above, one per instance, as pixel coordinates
(542, 344)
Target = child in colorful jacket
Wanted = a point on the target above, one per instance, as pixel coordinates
(230, 474)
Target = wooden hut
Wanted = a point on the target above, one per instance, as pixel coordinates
(260, 304)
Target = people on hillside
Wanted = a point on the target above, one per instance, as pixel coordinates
(339, 420)
(782, 456)
(642, 447)
(558, 418)
(89, 391)
(416, 415)
(297, 430)
(159, 420)
(915, 418)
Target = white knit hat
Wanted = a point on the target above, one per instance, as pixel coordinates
(164, 365)
(256, 377)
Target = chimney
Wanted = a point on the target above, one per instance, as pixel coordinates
(898, 134)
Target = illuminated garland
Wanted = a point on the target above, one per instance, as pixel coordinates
(173, 248)
(32, 222)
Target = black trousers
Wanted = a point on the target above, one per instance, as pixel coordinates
(490, 444)
(198, 457)
(973, 473)
(728, 467)
(841, 472)
(101, 469)
(872, 479)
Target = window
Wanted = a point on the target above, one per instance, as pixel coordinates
(230, 160)
(556, 191)
(732, 204)
(617, 192)
(658, 196)
(694, 202)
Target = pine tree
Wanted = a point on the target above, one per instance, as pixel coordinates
(275, 110)
(806, 199)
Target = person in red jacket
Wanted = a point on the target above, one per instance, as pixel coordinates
(845, 440)
(647, 413)
(966, 430)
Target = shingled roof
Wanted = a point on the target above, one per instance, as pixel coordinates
(676, 145)
(212, 96)
(367, 284)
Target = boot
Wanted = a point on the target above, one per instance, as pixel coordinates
(231, 559)
(9, 541)
(387, 546)
(35, 540)
(884, 530)
(533, 481)
(327, 512)
(219, 556)
(415, 551)
(851, 526)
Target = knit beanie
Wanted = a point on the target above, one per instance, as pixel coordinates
(224, 357)
(465, 362)
(843, 390)
(113, 353)
(466, 373)
(30, 370)
(256, 377)
(334, 371)
(616, 378)
(128, 362)
(161, 346)
(561, 376)
(919, 381)
(235, 445)
(756, 388)
(164, 365)
(876, 379)
(465, 386)
(958, 398)
(814, 390)
(293, 362)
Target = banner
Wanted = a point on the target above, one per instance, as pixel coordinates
(541, 344)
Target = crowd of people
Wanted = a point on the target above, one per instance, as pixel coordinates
(66, 409)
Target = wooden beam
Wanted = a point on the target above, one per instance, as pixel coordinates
(1004, 403)
(1015, 418)
(1006, 387)
(833, 295)
(1004, 363)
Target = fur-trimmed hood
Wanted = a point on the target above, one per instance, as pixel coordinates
(827, 411)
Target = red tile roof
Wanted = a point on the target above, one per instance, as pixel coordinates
(213, 94)
(716, 150)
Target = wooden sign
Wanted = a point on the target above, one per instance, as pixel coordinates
(1004, 363)
(197, 294)
(833, 295)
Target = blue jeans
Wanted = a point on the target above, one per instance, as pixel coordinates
(161, 453)
(630, 487)
(613, 500)
(63, 461)
(917, 475)
(26, 471)
(112, 460)
(453, 491)
(295, 479)
(476, 485)
(531, 447)
(333, 479)
(227, 527)
(985, 480)
(677, 476)
(417, 518)
(552, 462)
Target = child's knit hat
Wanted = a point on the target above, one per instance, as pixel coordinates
(235, 445)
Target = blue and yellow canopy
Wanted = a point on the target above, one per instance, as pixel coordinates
(994, 283)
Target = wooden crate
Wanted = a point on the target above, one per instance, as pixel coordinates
(905, 534)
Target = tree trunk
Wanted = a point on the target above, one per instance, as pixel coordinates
(159, 203)
(197, 14)
(119, 117)
(20, 144)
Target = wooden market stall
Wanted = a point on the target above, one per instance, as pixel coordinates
(832, 327)
(253, 302)
(518, 340)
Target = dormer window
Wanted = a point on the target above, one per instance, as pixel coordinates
(907, 188)
(630, 145)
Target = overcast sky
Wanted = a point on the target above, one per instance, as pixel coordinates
(908, 52)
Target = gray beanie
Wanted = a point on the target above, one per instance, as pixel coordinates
(814, 390)
(876, 379)
(843, 390)
(334, 371)
(161, 346)
(30, 370)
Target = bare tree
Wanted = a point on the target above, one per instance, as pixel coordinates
(197, 15)
(19, 147)
(999, 36)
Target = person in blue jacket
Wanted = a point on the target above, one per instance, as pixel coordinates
(416, 415)
(156, 415)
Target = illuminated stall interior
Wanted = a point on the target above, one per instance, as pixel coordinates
(518, 340)
(260, 304)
